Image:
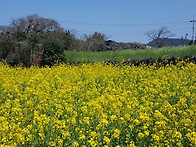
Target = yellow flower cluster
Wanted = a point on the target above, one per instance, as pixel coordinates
(98, 105)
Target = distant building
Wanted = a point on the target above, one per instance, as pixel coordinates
(170, 42)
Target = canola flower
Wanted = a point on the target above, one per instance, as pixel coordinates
(98, 105)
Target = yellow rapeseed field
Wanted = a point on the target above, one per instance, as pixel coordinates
(98, 105)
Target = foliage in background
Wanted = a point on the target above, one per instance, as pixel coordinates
(52, 50)
(22, 42)
(94, 42)
(25, 40)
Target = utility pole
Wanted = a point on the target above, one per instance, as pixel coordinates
(193, 21)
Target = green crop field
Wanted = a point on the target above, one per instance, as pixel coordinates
(155, 53)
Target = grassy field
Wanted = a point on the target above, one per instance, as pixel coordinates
(131, 54)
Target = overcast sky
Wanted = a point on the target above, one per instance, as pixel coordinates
(120, 20)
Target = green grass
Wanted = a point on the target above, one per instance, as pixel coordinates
(180, 51)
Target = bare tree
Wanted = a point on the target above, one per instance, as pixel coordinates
(159, 35)
(94, 42)
(35, 24)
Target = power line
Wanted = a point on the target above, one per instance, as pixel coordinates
(126, 25)
(120, 25)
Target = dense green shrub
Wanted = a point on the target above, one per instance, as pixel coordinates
(52, 50)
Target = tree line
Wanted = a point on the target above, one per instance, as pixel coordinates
(34, 40)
